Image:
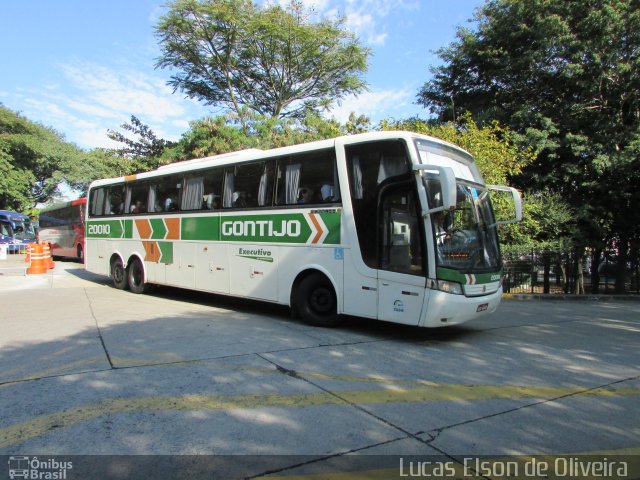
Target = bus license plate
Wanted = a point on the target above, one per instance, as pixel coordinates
(482, 307)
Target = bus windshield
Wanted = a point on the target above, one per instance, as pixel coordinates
(22, 227)
(24, 230)
(466, 237)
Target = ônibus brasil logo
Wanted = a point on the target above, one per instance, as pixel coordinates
(34, 468)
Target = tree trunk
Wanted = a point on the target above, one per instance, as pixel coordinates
(596, 256)
(566, 269)
(621, 263)
(546, 261)
(635, 260)
(579, 276)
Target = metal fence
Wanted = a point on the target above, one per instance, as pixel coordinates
(17, 249)
(553, 272)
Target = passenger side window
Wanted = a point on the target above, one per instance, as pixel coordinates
(369, 165)
(248, 186)
(164, 194)
(212, 193)
(308, 178)
(138, 197)
(96, 201)
(401, 243)
(115, 200)
(203, 190)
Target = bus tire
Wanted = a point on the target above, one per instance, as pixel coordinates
(119, 274)
(315, 301)
(135, 274)
(80, 251)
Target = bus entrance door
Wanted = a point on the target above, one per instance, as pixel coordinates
(400, 297)
(401, 279)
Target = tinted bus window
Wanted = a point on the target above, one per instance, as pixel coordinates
(138, 198)
(308, 178)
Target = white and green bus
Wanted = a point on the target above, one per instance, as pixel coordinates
(392, 226)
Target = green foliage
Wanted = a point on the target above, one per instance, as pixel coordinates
(492, 146)
(225, 133)
(97, 164)
(33, 161)
(145, 149)
(270, 61)
(499, 159)
(564, 75)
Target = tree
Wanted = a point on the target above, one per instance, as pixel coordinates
(33, 161)
(498, 157)
(97, 164)
(146, 149)
(225, 133)
(565, 76)
(271, 61)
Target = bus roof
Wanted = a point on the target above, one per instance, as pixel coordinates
(254, 154)
(13, 215)
(60, 205)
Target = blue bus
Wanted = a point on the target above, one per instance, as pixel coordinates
(17, 230)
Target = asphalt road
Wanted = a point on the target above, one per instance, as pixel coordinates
(86, 369)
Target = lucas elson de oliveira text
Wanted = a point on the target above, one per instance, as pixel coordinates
(561, 467)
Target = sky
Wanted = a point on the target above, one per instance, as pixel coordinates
(85, 66)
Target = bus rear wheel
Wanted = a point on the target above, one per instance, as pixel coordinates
(315, 301)
(80, 254)
(119, 274)
(135, 274)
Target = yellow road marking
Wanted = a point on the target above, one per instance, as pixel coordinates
(41, 425)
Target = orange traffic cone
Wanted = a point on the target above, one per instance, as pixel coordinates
(46, 252)
(38, 263)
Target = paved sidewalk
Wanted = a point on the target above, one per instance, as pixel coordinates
(14, 264)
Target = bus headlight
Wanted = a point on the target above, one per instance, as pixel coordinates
(449, 287)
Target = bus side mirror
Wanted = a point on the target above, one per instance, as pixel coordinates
(516, 199)
(447, 184)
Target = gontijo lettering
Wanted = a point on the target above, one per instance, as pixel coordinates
(269, 228)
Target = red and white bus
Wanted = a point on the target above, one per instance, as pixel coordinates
(62, 227)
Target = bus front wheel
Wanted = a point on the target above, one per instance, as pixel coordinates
(315, 301)
(135, 273)
(119, 274)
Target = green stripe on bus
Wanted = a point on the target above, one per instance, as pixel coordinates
(280, 228)
(166, 252)
(128, 228)
(159, 229)
(332, 221)
(200, 228)
(460, 277)
(321, 228)
(105, 229)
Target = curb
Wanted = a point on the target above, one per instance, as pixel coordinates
(590, 297)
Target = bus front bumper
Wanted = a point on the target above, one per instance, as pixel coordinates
(444, 309)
